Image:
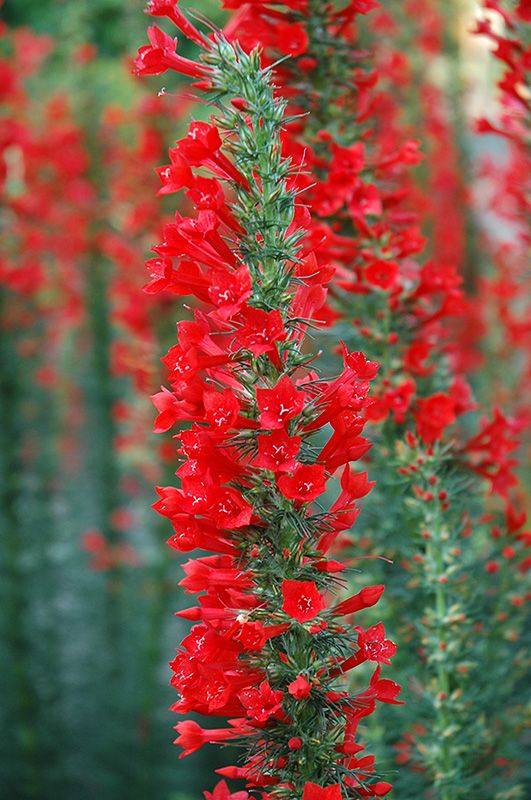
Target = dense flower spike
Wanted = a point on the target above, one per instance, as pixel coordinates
(266, 435)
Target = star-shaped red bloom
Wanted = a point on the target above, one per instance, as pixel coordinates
(312, 791)
(280, 404)
(262, 702)
(306, 483)
(302, 600)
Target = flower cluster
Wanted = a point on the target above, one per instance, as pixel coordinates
(265, 434)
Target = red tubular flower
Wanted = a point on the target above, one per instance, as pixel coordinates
(306, 483)
(261, 703)
(228, 508)
(312, 791)
(160, 55)
(277, 451)
(280, 404)
(382, 689)
(300, 688)
(260, 331)
(433, 415)
(368, 597)
(373, 646)
(221, 792)
(170, 9)
(302, 600)
(382, 274)
(192, 736)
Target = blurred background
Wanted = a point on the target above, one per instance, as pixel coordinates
(88, 585)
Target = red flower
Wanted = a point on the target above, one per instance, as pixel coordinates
(174, 176)
(378, 789)
(291, 38)
(368, 596)
(158, 56)
(201, 147)
(280, 404)
(252, 635)
(382, 689)
(312, 791)
(221, 792)
(353, 486)
(302, 600)
(192, 736)
(228, 508)
(306, 483)
(221, 410)
(261, 703)
(382, 273)
(300, 688)
(168, 407)
(229, 290)
(277, 451)
(169, 8)
(374, 646)
(364, 369)
(260, 331)
(433, 415)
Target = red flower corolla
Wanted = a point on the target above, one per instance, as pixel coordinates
(378, 789)
(261, 703)
(353, 486)
(382, 274)
(300, 688)
(373, 646)
(160, 55)
(260, 331)
(432, 415)
(357, 361)
(306, 483)
(366, 598)
(174, 176)
(192, 736)
(202, 147)
(229, 290)
(382, 689)
(221, 409)
(168, 407)
(277, 451)
(280, 404)
(312, 791)
(302, 600)
(291, 39)
(221, 792)
(170, 9)
(228, 508)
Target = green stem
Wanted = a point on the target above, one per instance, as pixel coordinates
(435, 554)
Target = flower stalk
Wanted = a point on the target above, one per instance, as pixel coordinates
(267, 434)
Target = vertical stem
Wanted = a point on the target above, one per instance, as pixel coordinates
(435, 555)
